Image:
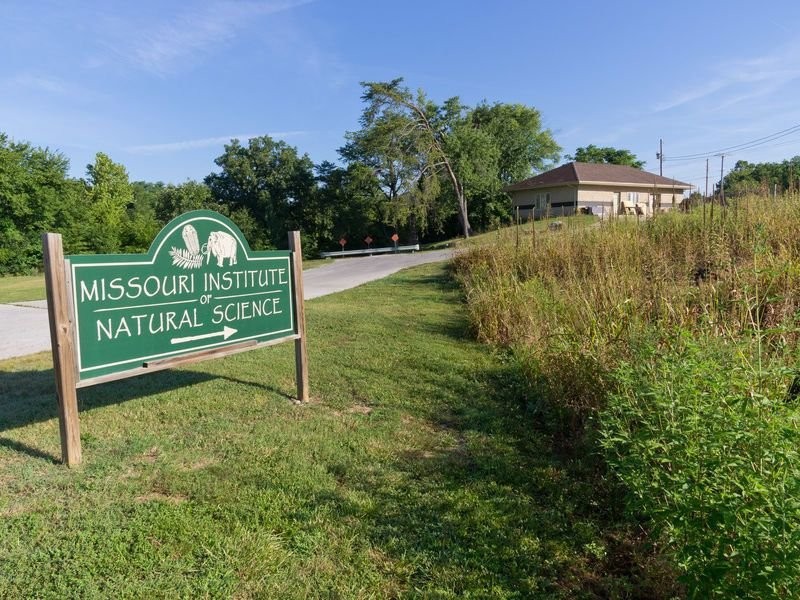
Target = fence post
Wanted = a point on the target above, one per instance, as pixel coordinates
(300, 351)
(62, 342)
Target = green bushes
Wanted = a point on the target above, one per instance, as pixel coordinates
(709, 452)
(667, 347)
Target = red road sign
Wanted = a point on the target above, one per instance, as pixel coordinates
(342, 242)
(368, 240)
(395, 237)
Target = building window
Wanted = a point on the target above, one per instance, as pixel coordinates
(543, 200)
(633, 197)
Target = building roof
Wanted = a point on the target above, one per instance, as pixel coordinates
(578, 172)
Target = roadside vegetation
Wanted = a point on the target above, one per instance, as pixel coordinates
(417, 470)
(668, 349)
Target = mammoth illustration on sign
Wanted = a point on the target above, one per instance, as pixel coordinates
(222, 245)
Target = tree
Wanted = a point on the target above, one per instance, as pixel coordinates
(349, 204)
(762, 178)
(517, 131)
(413, 142)
(386, 145)
(606, 155)
(516, 147)
(141, 224)
(35, 196)
(268, 179)
(430, 128)
(109, 194)
(173, 200)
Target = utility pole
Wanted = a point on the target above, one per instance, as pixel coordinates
(660, 157)
(721, 180)
(705, 198)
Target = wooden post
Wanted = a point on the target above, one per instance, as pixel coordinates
(63, 345)
(300, 352)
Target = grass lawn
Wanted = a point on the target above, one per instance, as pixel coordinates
(415, 471)
(21, 288)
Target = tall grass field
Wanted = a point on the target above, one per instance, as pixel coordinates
(669, 350)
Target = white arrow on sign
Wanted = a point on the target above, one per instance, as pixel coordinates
(225, 333)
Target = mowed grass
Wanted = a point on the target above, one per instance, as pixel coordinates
(528, 228)
(415, 471)
(21, 288)
(25, 288)
(507, 233)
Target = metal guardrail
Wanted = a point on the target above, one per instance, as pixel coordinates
(369, 251)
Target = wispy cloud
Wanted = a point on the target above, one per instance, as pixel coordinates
(46, 85)
(691, 95)
(741, 80)
(162, 49)
(202, 143)
(43, 84)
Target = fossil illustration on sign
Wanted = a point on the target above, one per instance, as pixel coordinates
(190, 257)
(220, 244)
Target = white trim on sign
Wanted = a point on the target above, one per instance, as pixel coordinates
(156, 252)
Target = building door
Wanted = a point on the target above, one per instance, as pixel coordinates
(616, 208)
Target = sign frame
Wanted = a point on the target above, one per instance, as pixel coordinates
(63, 310)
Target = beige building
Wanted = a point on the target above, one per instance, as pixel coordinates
(599, 189)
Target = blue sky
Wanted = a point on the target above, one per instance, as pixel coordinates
(162, 86)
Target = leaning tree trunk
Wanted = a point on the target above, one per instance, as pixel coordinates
(463, 216)
(458, 188)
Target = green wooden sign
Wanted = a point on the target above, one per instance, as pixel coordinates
(199, 287)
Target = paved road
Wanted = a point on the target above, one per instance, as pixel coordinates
(25, 330)
(346, 273)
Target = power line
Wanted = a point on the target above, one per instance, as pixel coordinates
(783, 143)
(691, 161)
(738, 147)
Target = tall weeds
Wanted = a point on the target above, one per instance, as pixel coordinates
(670, 271)
(660, 339)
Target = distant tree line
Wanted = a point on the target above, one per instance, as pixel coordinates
(422, 169)
(763, 178)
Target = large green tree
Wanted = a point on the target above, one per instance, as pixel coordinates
(173, 200)
(349, 204)
(430, 129)
(387, 145)
(426, 152)
(141, 224)
(524, 146)
(35, 196)
(269, 180)
(109, 194)
(514, 146)
(606, 155)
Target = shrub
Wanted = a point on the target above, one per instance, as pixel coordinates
(709, 452)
